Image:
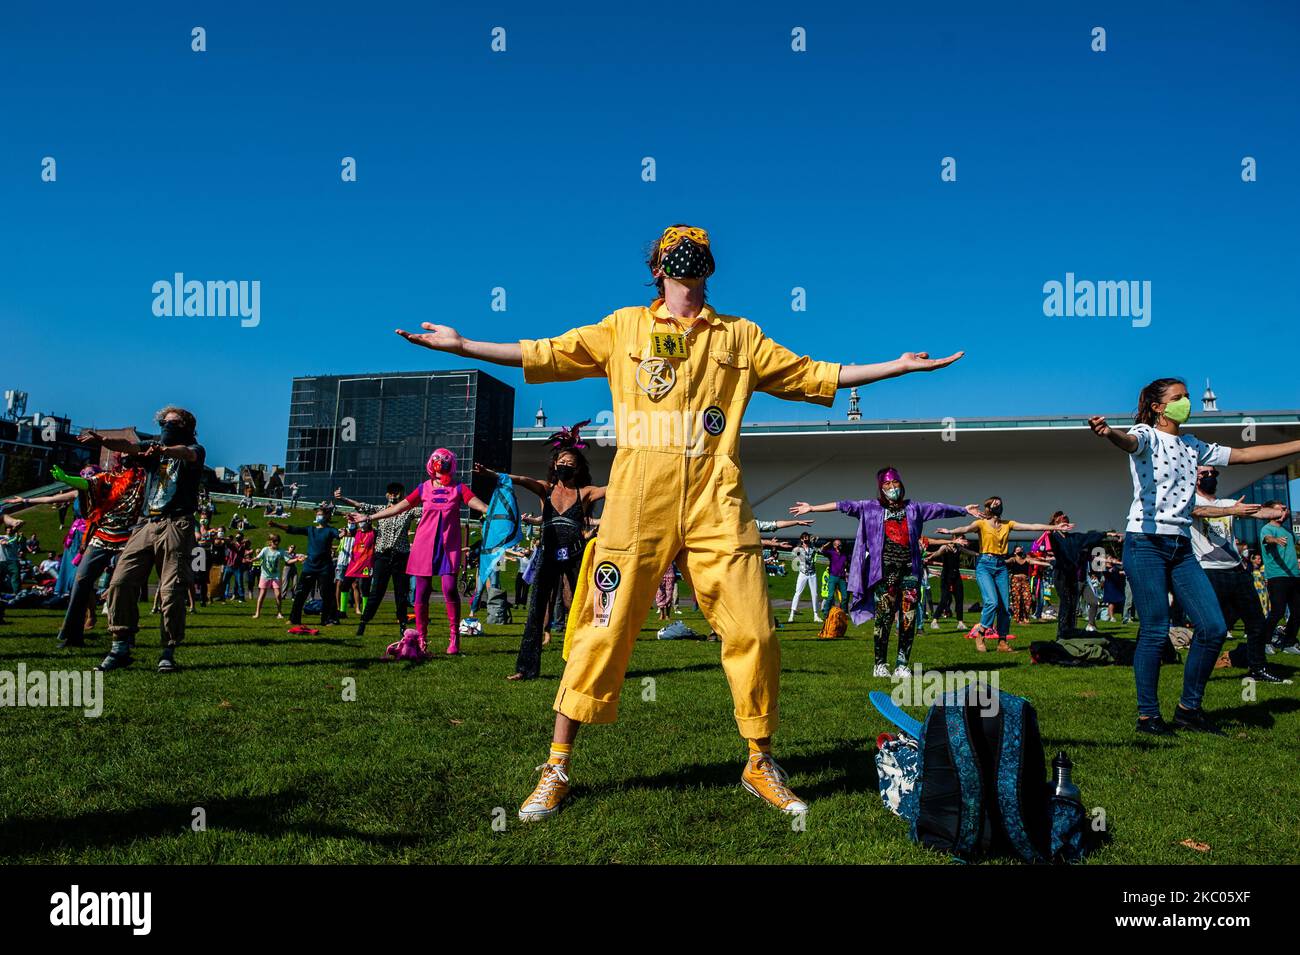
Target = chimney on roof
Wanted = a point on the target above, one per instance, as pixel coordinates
(855, 405)
(1209, 401)
(540, 419)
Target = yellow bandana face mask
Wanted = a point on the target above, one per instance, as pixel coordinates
(684, 253)
(674, 235)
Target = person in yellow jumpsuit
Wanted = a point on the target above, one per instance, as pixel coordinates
(680, 375)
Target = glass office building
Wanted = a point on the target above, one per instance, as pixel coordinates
(361, 432)
(1271, 487)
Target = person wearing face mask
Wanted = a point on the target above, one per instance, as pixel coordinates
(884, 584)
(991, 571)
(676, 492)
(837, 575)
(437, 551)
(1214, 541)
(1074, 553)
(165, 539)
(341, 560)
(1019, 567)
(316, 571)
(392, 547)
(568, 497)
(1158, 553)
(804, 558)
(356, 577)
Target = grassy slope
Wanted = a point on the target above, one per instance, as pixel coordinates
(255, 732)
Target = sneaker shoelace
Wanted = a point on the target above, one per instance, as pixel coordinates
(552, 776)
(775, 776)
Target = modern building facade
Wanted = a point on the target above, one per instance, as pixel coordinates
(361, 432)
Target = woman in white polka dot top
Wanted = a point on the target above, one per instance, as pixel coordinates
(1158, 553)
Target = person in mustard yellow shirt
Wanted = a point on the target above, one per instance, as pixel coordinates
(991, 571)
(680, 375)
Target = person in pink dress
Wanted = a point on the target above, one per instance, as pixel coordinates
(436, 550)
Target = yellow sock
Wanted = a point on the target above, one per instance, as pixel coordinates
(755, 747)
(560, 753)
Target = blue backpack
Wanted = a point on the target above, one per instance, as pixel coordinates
(972, 781)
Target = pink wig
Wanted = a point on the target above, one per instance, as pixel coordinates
(446, 459)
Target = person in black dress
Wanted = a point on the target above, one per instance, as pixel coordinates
(567, 497)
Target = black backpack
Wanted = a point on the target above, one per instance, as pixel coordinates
(982, 786)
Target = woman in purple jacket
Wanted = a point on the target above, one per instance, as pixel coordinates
(889, 534)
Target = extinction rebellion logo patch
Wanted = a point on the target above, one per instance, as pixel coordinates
(715, 422)
(607, 578)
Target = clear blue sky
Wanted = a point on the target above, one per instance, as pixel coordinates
(522, 170)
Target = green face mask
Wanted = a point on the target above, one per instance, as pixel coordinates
(1179, 411)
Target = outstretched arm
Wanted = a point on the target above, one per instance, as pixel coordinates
(1121, 439)
(113, 444)
(447, 339)
(904, 364)
(71, 480)
(62, 497)
(379, 515)
(957, 531)
(540, 488)
(1239, 509)
(1021, 526)
(338, 496)
(803, 507)
(1262, 452)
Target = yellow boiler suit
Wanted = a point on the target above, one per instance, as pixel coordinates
(675, 492)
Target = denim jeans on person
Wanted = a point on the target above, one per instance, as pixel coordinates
(995, 593)
(228, 574)
(1157, 564)
(835, 588)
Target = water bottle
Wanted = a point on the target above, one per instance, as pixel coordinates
(1062, 785)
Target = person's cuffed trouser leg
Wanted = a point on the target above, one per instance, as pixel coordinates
(663, 506)
(93, 563)
(731, 587)
(599, 654)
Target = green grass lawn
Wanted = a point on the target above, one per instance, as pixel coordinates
(254, 731)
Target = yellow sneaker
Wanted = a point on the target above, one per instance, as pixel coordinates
(549, 794)
(767, 780)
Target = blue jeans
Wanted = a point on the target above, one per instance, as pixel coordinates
(1157, 564)
(995, 593)
(835, 588)
(227, 575)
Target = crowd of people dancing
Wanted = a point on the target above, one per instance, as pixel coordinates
(669, 518)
